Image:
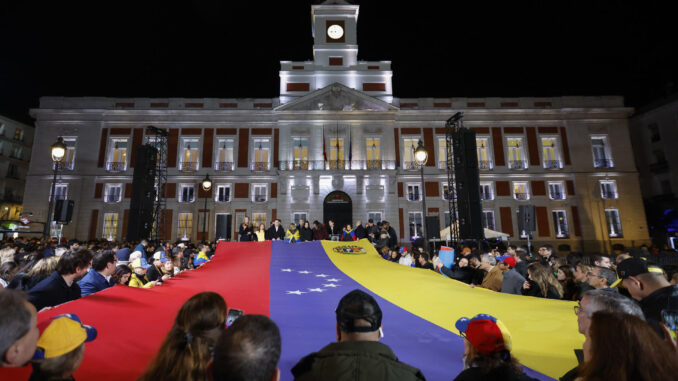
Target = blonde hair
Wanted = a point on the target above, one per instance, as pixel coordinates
(45, 266)
(544, 278)
(7, 255)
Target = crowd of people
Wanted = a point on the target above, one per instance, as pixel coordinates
(627, 310)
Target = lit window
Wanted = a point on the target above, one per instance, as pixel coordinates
(187, 192)
(223, 193)
(556, 191)
(60, 191)
(262, 148)
(488, 219)
(560, 224)
(550, 153)
(110, 226)
(190, 154)
(483, 151)
(373, 153)
(416, 224)
(486, 193)
(337, 153)
(614, 227)
(224, 155)
(602, 157)
(300, 153)
(259, 192)
(413, 191)
(515, 153)
(68, 161)
(521, 191)
(19, 134)
(185, 225)
(117, 156)
(113, 193)
(409, 146)
(258, 219)
(442, 153)
(608, 189)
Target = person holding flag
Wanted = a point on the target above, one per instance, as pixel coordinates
(292, 234)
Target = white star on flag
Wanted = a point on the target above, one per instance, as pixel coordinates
(286, 270)
(333, 280)
(322, 275)
(330, 285)
(297, 292)
(304, 272)
(316, 289)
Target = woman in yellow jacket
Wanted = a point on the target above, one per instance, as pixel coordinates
(261, 233)
(138, 277)
(292, 234)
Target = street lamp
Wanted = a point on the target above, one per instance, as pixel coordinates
(421, 157)
(58, 151)
(206, 185)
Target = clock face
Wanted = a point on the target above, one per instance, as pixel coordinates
(335, 31)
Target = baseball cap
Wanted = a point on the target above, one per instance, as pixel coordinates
(486, 333)
(62, 335)
(140, 262)
(508, 259)
(161, 256)
(355, 305)
(632, 267)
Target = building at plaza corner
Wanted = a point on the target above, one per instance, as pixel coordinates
(338, 143)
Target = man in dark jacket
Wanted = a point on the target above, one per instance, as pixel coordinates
(392, 236)
(60, 287)
(276, 232)
(99, 276)
(647, 284)
(357, 354)
(360, 231)
(319, 231)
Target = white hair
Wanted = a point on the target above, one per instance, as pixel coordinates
(489, 259)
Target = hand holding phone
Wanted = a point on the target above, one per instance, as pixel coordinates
(233, 315)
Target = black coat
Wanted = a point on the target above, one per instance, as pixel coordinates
(246, 233)
(305, 234)
(462, 274)
(534, 290)
(653, 304)
(53, 291)
(360, 232)
(275, 234)
(392, 238)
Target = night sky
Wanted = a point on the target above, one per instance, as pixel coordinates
(218, 48)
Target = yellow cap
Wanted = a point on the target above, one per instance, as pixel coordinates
(63, 335)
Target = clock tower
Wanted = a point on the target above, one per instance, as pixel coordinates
(335, 41)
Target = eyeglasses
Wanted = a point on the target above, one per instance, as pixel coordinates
(578, 309)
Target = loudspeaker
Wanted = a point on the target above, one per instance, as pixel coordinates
(63, 211)
(467, 181)
(140, 221)
(223, 226)
(526, 219)
(432, 227)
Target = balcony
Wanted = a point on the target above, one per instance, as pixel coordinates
(486, 196)
(413, 197)
(659, 167)
(552, 164)
(188, 166)
(259, 166)
(563, 235)
(603, 163)
(516, 164)
(112, 198)
(609, 195)
(411, 166)
(442, 165)
(116, 166)
(224, 166)
(557, 196)
(63, 166)
(484, 164)
(521, 196)
(259, 198)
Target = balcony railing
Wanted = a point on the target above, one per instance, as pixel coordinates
(63, 165)
(116, 166)
(413, 197)
(260, 166)
(259, 198)
(516, 164)
(113, 197)
(610, 195)
(411, 166)
(484, 164)
(563, 234)
(188, 166)
(602, 163)
(556, 196)
(552, 164)
(321, 165)
(224, 166)
(521, 196)
(486, 196)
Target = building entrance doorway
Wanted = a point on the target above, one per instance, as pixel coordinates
(338, 207)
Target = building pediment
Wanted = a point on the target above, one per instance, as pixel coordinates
(336, 97)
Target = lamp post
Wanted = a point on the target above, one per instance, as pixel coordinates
(206, 185)
(421, 157)
(58, 151)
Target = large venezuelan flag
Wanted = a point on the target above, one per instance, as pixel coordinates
(299, 286)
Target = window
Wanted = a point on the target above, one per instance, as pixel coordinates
(409, 145)
(515, 153)
(186, 192)
(486, 193)
(262, 148)
(18, 152)
(416, 226)
(549, 151)
(12, 171)
(185, 225)
(373, 147)
(258, 219)
(614, 228)
(19, 134)
(601, 153)
(560, 224)
(654, 132)
(446, 191)
(442, 153)
(374, 216)
(448, 222)
(223, 193)
(69, 159)
(488, 219)
(190, 154)
(60, 191)
(608, 189)
(224, 155)
(260, 192)
(413, 192)
(482, 148)
(296, 216)
(300, 153)
(117, 156)
(336, 153)
(113, 193)
(520, 191)
(556, 190)
(110, 226)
